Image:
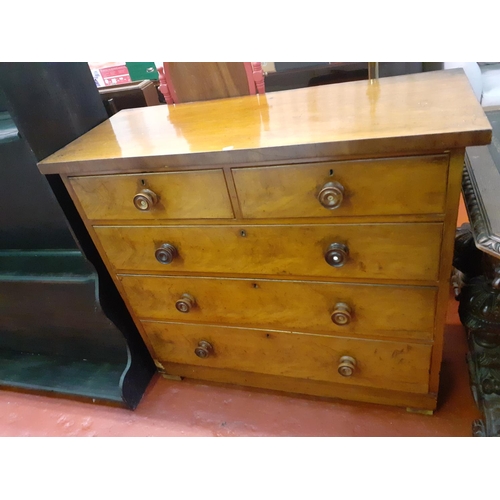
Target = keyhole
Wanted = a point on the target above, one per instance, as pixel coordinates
(143, 182)
(243, 233)
(331, 173)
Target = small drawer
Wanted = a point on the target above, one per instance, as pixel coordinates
(374, 251)
(398, 366)
(327, 308)
(394, 186)
(171, 195)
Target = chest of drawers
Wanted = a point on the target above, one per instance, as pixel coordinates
(299, 241)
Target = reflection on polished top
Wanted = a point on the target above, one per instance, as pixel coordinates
(426, 111)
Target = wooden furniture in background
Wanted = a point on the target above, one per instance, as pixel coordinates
(477, 257)
(129, 95)
(188, 82)
(299, 241)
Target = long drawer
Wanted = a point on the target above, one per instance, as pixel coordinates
(375, 251)
(171, 195)
(371, 363)
(327, 308)
(389, 186)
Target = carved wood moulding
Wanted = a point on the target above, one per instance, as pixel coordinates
(480, 223)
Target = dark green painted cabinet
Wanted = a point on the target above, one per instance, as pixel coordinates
(64, 328)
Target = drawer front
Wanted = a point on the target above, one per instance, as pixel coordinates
(387, 251)
(172, 195)
(396, 186)
(327, 308)
(389, 365)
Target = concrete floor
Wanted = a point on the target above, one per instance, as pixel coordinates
(191, 408)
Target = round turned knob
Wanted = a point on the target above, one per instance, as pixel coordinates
(204, 349)
(342, 314)
(185, 303)
(145, 200)
(347, 365)
(331, 195)
(166, 253)
(337, 254)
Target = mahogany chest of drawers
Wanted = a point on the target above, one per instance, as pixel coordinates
(299, 241)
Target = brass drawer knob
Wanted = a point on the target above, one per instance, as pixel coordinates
(331, 195)
(337, 254)
(185, 303)
(347, 365)
(145, 200)
(342, 314)
(204, 349)
(166, 253)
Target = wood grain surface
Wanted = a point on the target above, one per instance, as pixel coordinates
(207, 80)
(431, 111)
(390, 251)
(389, 365)
(181, 195)
(292, 305)
(392, 186)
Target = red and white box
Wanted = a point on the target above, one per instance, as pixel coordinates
(110, 73)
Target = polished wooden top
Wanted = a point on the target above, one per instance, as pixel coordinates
(431, 111)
